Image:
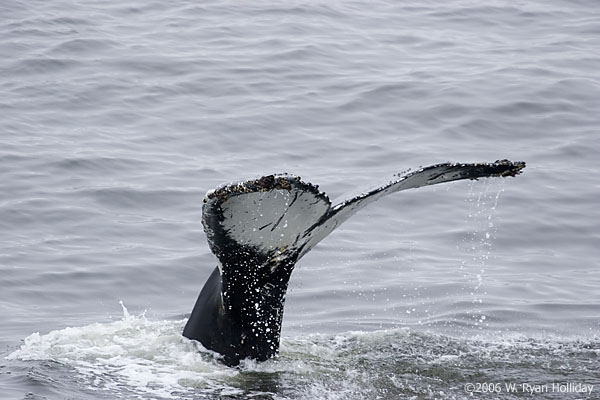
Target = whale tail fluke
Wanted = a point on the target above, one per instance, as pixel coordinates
(258, 229)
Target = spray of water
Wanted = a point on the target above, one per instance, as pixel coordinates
(478, 243)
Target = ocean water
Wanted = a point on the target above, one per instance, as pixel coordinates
(116, 119)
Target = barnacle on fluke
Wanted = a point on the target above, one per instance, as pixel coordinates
(262, 184)
(259, 229)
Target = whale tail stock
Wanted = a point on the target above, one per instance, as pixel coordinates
(259, 229)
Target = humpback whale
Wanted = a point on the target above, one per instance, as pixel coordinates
(258, 229)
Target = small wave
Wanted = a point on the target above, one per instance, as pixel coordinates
(79, 46)
(43, 66)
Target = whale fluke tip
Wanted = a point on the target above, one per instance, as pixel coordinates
(514, 168)
(504, 168)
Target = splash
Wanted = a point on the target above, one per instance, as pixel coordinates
(148, 357)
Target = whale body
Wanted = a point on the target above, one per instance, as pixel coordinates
(258, 229)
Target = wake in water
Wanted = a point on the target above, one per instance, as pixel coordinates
(139, 358)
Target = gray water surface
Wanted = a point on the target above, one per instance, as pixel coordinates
(116, 119)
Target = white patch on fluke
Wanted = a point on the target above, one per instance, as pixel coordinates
(271, 220)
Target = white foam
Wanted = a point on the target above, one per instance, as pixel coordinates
(147, 356)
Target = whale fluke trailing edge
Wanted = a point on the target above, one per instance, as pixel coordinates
(259, 229)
